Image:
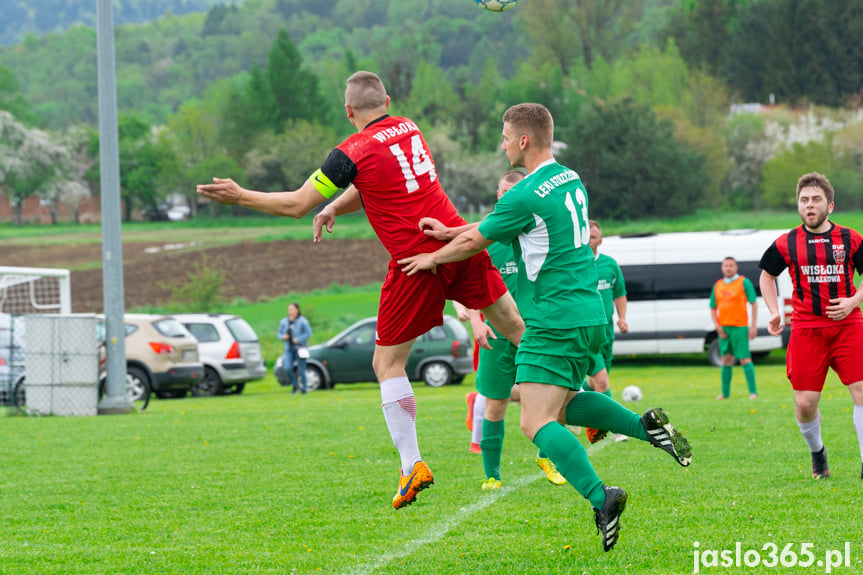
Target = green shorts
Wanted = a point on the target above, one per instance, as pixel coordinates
(496, 373)
(737, 342)
(602, 359)
(558, 356)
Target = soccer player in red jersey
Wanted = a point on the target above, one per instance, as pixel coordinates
(826, 322)
(388, 171)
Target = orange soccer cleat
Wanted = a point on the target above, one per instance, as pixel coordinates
(595, 435)
(410, 485)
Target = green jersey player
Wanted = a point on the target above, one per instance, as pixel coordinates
(496, 374)
(612, 288)
(545, 218)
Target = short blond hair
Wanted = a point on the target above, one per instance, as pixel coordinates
(512, 176)
(534, 120)
(816, 180)
(365, 91)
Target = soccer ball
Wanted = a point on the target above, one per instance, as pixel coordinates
(631, 393)
(497, 5)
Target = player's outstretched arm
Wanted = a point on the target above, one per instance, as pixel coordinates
(462, 247)
(293, 204)
(434, 228)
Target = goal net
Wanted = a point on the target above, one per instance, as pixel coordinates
(34, 290)
(25, 291)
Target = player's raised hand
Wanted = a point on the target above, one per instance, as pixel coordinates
(223, 191)
(417, 263)
(325, 218)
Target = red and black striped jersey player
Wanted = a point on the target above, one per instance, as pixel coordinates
(387, 169)
(826, 322)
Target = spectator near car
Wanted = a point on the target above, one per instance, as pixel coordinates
(440, 356)
(229, 349)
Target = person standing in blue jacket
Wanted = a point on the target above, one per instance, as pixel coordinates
(295, 331)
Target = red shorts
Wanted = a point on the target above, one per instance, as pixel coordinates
(811, 350)
(412, 305)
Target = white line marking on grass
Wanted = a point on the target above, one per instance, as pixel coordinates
(436, 533)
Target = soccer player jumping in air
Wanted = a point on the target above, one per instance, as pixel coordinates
(388, 170)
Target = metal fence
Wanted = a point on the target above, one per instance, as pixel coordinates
(59, 374)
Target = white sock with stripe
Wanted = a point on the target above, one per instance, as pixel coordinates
(812, 433)
(478, 415)
(858, 425)
(400, 412)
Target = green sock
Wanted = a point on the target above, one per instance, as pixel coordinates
(726, 380)
(749, 371)
(571, 460)
(607, 393)
(491, 445)
(601, 412)
(586, 387)
(541, 455)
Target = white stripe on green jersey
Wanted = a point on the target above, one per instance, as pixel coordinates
(544, 217)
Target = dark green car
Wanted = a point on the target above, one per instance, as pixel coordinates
(440, 356)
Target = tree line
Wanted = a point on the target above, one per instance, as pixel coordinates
(640, 94)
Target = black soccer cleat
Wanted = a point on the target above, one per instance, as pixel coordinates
(820, 469)
(608, 518)
(662, 434)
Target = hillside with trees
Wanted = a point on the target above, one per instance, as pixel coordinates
(641, 92)
(39, 17)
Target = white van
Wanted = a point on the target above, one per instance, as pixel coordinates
(668, 282)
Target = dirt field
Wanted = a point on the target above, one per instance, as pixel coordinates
(252, 270)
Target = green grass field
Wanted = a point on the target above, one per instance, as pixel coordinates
(267, 482)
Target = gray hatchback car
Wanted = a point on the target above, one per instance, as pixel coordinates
(229, 349)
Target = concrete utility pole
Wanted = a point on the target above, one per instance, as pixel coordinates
(112, 242)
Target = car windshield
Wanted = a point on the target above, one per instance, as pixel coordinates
(170, 328)
(241, 330)
(361, 335)
(203, 332)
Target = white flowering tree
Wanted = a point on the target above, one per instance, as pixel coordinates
(32, 163)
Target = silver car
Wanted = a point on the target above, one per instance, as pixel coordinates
(229, 349)
(11, 360)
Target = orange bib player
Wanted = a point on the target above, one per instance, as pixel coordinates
(734, 326)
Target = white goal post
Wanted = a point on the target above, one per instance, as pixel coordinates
(35, 291)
